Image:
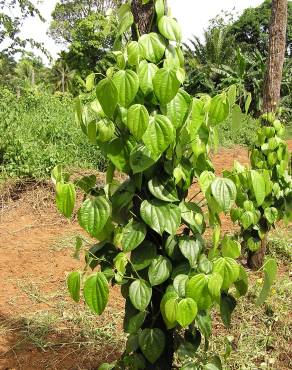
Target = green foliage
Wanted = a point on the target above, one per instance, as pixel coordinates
(150, 235)
(264, 192)
(38, 132)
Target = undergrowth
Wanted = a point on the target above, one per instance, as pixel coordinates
(38, 132)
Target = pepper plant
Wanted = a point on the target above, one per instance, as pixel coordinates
(149, 235)
(264, 191)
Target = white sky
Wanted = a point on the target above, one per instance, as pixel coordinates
(192, 15)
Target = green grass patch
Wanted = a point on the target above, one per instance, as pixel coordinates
(38, 131)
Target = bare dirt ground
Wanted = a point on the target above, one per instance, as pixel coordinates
(40, 328)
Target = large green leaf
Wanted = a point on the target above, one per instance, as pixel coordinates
(133, 52)
(228, 268)
(93, 214)
(159, 8)
(141, 158)
(127, 84)
(186, 312)
(126, 19)
(95, 292)
(137, 120)
(179, 284)
(165, 84)
(198, 117)
(163, 188)
(65, 198)
(219, 109)
(107, 95)
(133, 235)
(159, 270)
(215, 282)
(177, 109)
(192, 215)
(73, 284)
(224, 192)
(146, 72)
(197, 289)
(159, 135)
(118, 151)
(205, 180)
(258, 185)
(230, 248)
(153, 46)
(160, 216)
(171, 307)
(142, 256)
(191, 249)
(169, 28)
(152, 343)
(271, 214)
(270, 270)
(105, 130)
(140, 293)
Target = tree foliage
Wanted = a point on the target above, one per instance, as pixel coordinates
(68, 13)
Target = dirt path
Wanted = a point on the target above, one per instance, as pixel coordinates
(39, 325)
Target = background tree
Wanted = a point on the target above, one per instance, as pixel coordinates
(10, 25)
(68, 13)
(251, 28)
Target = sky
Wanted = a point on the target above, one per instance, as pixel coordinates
(192, 15)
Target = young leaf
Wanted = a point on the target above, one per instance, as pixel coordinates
(159, 270)
(127, 84)
(159, 135)
(140, 293)
(270, 270)
(152, 343)
(224, 192)
(65, 198)
(73, 284)
(169, 28)
(154, 214)
(171, 310)
(153, 46)
(93, 215)
(107, 95)
(197, 289)
(186, 312)
(215, 282)
(166, 85)
(137, 120)
(133, 235)
(177, 109)
(95, 292)
(228, 268)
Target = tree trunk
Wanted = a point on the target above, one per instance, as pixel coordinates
(272, 87)
(143, 17)
(276, 56)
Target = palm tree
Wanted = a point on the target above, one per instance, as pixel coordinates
(62, 75)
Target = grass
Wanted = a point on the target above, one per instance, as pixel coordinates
(38, 131)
